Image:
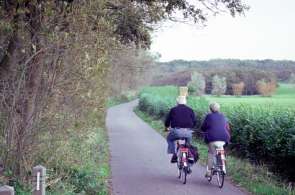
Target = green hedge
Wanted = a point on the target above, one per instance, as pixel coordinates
(264, 134)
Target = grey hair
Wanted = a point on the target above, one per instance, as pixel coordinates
(214, 107)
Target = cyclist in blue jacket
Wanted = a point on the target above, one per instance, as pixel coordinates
(181, 119)
(217, 134)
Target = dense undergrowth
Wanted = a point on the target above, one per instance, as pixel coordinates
(79, 165)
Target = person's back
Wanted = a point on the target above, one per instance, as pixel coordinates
(181, 119)
(181, 116)
(216, 130)
(215, 125)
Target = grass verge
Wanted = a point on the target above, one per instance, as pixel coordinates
(90, 172)
(255, 179)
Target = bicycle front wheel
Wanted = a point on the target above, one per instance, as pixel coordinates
(209, 178)
(220, 178)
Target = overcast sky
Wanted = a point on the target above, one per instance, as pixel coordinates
(266, 32)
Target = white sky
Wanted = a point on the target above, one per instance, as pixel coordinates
(266, 32)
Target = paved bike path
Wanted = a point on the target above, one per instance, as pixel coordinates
(140, 164)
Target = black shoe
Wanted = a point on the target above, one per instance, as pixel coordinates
(174, 158)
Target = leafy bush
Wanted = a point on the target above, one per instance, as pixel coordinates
(156, 106)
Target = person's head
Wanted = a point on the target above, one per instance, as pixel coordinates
(214, 107)
(181, 100)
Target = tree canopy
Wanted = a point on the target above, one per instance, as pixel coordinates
(132, 20)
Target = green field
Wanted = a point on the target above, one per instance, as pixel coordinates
(284, 97)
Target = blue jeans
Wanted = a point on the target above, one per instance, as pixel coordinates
(175, 134)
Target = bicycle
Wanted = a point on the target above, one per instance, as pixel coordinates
(183, 164)
(219, 167)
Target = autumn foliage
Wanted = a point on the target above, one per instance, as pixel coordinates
(238, 88)
(266, 88)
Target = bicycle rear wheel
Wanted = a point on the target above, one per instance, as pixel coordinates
(220, 178)
(179, 167)
(219, 173)
(184, 174)
(179, 173)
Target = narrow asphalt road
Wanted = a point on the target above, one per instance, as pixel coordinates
(140, 164)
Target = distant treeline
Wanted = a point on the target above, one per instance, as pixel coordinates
(178, 72)
(281, 68)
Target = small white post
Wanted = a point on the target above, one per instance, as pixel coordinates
(39, 174)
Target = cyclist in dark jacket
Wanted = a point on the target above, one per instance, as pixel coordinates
(181, 119)
(216, 130)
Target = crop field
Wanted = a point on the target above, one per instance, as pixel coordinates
(284, 97)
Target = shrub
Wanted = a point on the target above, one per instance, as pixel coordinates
(238, 88)
(156, 106)
(218, 85)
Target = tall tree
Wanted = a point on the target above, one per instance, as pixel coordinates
(197, 84)
(218, 85)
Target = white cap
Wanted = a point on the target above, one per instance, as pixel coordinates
(181, 99)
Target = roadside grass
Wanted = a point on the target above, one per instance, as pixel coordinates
(90, 172)
(255, 179)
